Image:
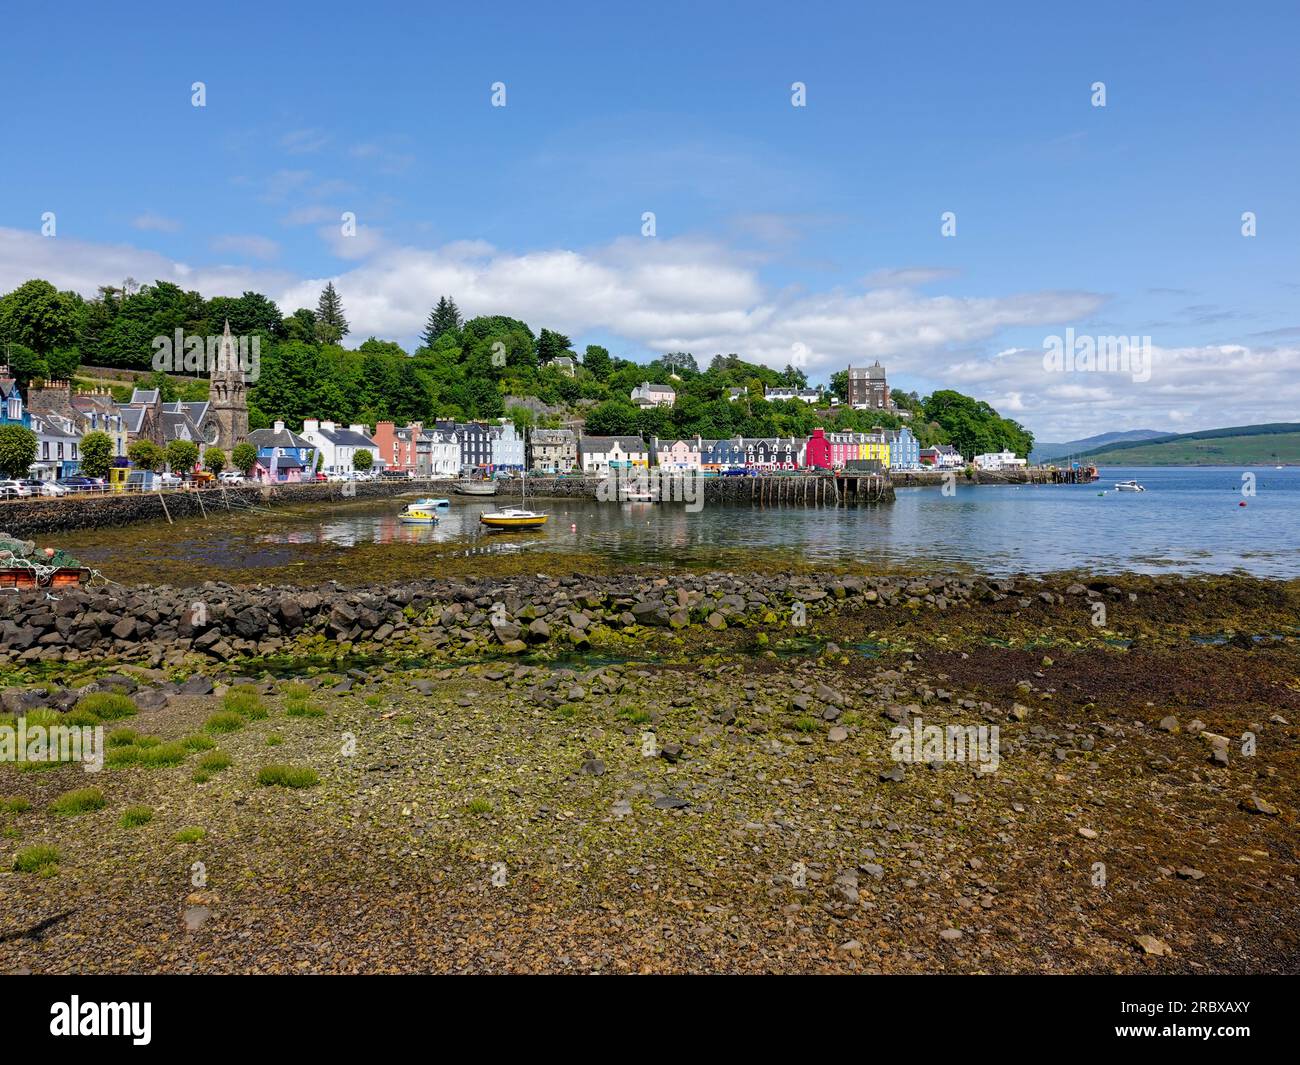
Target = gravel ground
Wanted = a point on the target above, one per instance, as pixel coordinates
(709, 803)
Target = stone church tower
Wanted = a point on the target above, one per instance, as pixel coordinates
(228, 393)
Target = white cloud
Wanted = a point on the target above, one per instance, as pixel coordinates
(693, 295)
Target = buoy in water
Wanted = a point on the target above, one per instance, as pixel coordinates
(1242, 503)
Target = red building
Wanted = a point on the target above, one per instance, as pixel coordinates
(397, 447)
(818, 451)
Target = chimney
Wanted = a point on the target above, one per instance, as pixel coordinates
(279, 426)
(357, 428)
(310, 425)
(327, 426)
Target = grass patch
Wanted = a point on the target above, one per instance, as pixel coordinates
(190, 835)
(163, 755)
(804, 724)
(243, 700)
(287, 776)
(568, 711)
(15, 805)
(123, 737)
(224, 721)
(118, 757)
(303, 709)
(135, 816)
(198, 743)
(215, 761)
(274, 739)
(374, 701)
(37, 859)
(479, 806)
(107, 706)
(635, 716)
(80, 801)
(296, 691)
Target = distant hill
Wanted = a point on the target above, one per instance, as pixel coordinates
(1276, 443)
(1048, 452)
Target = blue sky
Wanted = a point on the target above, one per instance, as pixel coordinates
(812, 230)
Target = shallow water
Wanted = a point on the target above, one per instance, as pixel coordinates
(1188, 521)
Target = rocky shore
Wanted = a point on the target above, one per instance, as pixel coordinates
(689, 772)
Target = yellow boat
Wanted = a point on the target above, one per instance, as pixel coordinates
(513, 518)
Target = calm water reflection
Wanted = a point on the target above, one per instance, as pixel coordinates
(1188, 520)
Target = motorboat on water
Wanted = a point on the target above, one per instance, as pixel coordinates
(419, 513)
(431, 503)
(1128, 486)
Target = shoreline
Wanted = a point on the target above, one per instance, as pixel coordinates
(503, 807)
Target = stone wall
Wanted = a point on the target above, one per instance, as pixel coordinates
(51, 514)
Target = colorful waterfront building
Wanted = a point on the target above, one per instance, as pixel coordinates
(676, 454)
(904, 449)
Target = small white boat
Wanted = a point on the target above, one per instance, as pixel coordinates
(636, 495)
(476, 488)
(430, 503)
(1128, 486)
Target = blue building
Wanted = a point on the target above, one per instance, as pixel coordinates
(12, 409)
(282, 455)
(904, 449)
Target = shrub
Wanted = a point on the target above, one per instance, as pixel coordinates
(79, 802)
(36, 860)
(287, 776)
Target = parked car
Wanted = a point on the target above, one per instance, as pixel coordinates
(231, 477)
(46, 488)
(168, 480)
(321, 477)
(14, 490)
(81, 484)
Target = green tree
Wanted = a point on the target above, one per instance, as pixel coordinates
(362, 460)
(251, 314)
(444, 318)
(38, 316)
(145, 454)
(24, 364)
(243, 457)
(331, 325)
(96, 454)
(214, 460)
(182, 455)
(597, 362)
(551, 345)
(17, 450)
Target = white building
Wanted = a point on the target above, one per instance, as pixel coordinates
(507, 446)
(438, 452)
(602, 453)
(808, 395)
(57, 453)
(998, 460)
(338, 446)
(647, 395)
